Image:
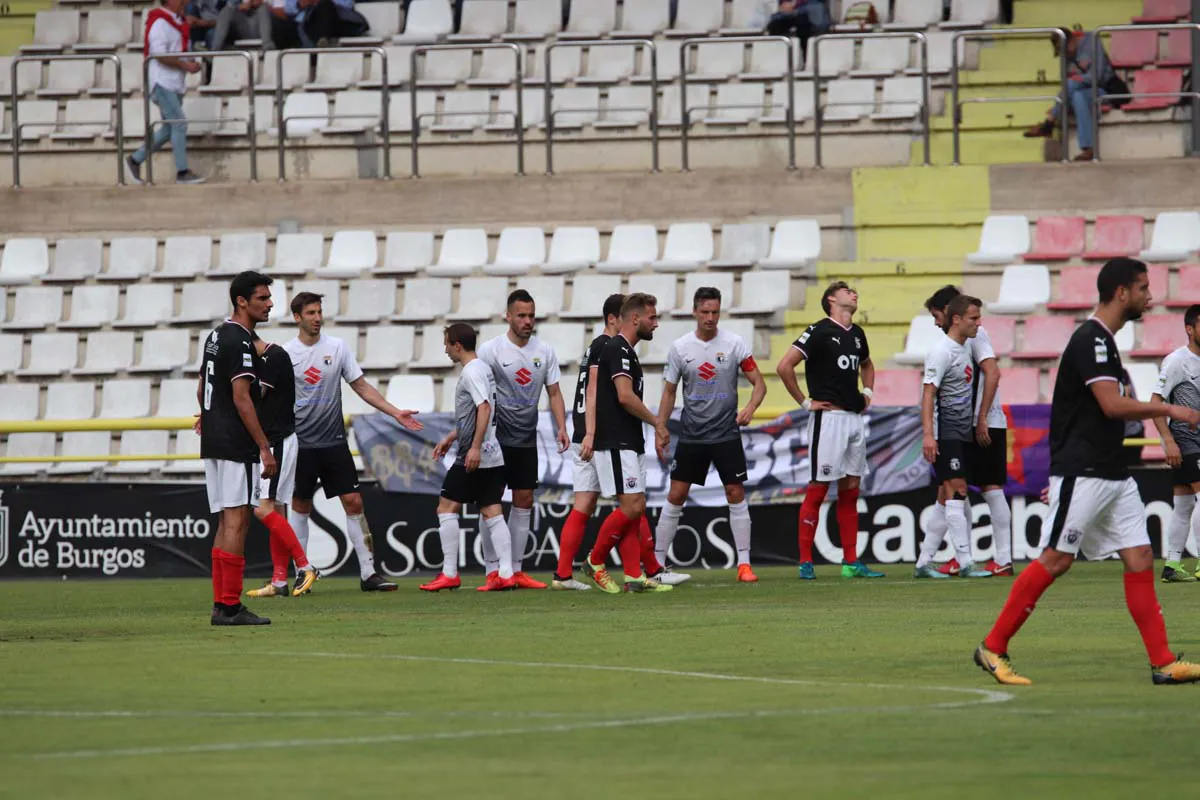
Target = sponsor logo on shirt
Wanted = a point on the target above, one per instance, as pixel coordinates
(1101, 351)
(707, 371)
(247, 361)
(523, 377)
(312, 376)
(624, 363)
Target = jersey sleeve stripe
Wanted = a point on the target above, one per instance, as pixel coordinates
(801, 349)
(616, 375)
(1100, 378)
(242, 375)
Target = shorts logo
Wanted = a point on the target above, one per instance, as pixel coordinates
(826, 469)
(312, 376)
(707, 371)
(955, 464)
(523, 377)
(1072, 536)
(631, 483)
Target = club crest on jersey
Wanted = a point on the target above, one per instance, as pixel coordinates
(537, 362)
(720, 358)
(328, 360)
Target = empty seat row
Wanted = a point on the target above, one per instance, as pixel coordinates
(1006, 238)
(1133, 49)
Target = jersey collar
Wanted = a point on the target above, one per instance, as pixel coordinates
(240, 325)
(840, 325)
(1097, 320)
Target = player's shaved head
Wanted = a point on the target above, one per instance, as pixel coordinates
(519, 296)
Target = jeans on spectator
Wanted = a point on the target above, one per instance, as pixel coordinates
(1079, 98)
(254, 24)
(326, 20)
(171, 105)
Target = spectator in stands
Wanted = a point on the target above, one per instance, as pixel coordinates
(1082, 75)
(249, 19)
(320, 23)
(202, 20)
(800, 18)
(283, 28)
(166, 33)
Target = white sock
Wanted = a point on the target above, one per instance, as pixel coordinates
(490, 562)
(518, 530)
(1179, 527)
(664, 532)
(356, 526)
(299, 523)
(935, 534)
(1001, 525)
(497, 531)
(960, 530)
(739, 523)
(449, 534)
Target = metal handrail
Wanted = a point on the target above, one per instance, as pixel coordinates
(689, 44)
(518, 81)
(640, 44)
(1097, 49)
(16, 119)
(427, 114)
(926, 103)
(199, 54)
(384, 97)
(1003, 33)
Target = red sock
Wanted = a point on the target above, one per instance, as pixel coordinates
(646, 538)
(232, 570)
(630, 548)
(847, 517)
(280, 558)
(610, 533)
(217, 564)
(279, 527)
(1022, 599)
(810, 515)
(569, 542)
(1147, 615)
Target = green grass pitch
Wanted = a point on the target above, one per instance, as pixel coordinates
(716, 690)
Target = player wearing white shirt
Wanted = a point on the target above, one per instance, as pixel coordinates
(320, 363)
(1179, 383)
(707, 362)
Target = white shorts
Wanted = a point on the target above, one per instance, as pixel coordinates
(283, 485)
(837, 445)
(620, 472)
(1095, 516)
(584, 472)
(231, 484)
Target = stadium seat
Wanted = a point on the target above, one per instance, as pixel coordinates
(185, 257)
(186, 443)
(656, 350)
(897, 387)
(388, 347)
(70, 400)
(68, 79)
(717, 60)
(1187, 291)
(795, 245)
(480, 298)
(399, 68)
(203, 115)
(565, 65)
(737, 104)
(1044, 337)
(84, 120)
(689, 247)
(176, 398)
(134, 118)
(131, 82)
(536, 20)
(769, 62)
(588, 293)
(1161, 334)
(763, 292)
(1057, 239)
(697, 18)
(29, 77)
(901, 100)
(350, 254)
(533, 110)
(608, 65)
(305, 113)
(1023, 287)
(742, 13)
(667, 55)
(463, 251)
(1116, 236)
(354, 112)
(591, 20)
(572, 249)
(336, 71)
(406, 252)
(240, 252)
(939, 53)
(482, 21)
(836, 58)
(1133, 49)
(123, 399)
(1076, 289)
(1168, 80)
(75, 260)
(742, 244)
(547, 292)
(35, 308)
(298, 253)
(1003, 331)
(643, 20)
(1160, 279)
(518, 251)
(1021, 386)
(882, 58)
(384, 20)
(412, 391)
(230, 76)
(27, 445)
(966, 14)
(802, 103)
(1163, 11)
(566, 339)
(140, 443)
(164, 350)
(497, 69)
(279, 303)
(630, 248)
(92, 306)
(463, 112)
(575, 107)
(628, 108)
(432, 353)
(427, 21)
(922, 334)
(53, 31)
(443, 69)
(146, 305)
(670, 115)
(1178, 51)
(370, 300)
(1004, 239)
(1143, 377)
(106, 353)
(19, 401)
(915, 15)
(24, 259)
(1176, 237)
(662, 287)
(331, 296)
(12, 352)
(446, 396)
(347, 333)
(722, 281)
(425, 299)
(203, 302)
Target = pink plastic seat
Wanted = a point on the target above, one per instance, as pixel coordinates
(1160, 279)
(1076, 289)
(1056, 239)
(1003, 331)
(1188, 288)
(1045, 337)
(1179, 50)
(1021, 386)
(1163, 11)
(1133, 48)
(897, 387)
(1154, 81)
(1161, 333)
(1116, 236)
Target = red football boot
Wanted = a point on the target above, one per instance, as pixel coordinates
(949, 568)
(441, 582)
(523, 581)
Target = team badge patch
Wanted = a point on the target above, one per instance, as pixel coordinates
(624, 363)
(328, 360)
(1101, 351)
(247, 361)
(955, 464)
(631, 483)
(720, 358)
(537, 362)
(1072, 536)
(826, 470)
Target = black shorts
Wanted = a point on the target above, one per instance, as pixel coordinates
(332, 467)
(520, 466)
(988, 466)
(483, 487)
(951, 461)
(1188, 471)
(692, 459)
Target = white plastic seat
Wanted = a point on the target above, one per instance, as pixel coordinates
(536, 20)
(737, 104)
(75, 260)
(305, 113)
(384, 20)
(795, 245)
(337, 71)
(915, 15)
(432, 353)
(446, 400)
(721, 281)
(1004, 239)
(51, 354)
(294, 71)
(565, 338)
(186, 443)
(331, 296)
(93, 306)
(19, 401)
(131, 78)
(630, 248)
(836, 57)
(406, 252)
(38, 118)
(547, 292)
(27, 445)
(463, 112)
(591, 20)
(203, 115)
(644, 18)
(12, 352)
(176, 398)
(370, 300)
(24, 259)
(355, 112)
(279, 304)
(163, 350)
(763, 292)
(130, 258)
(628, 107)
(134, 119)
(185, 257)
(741, 14)
(939, 52)
(412, 391)
(147, 305)
(70, 400)
(1023, 287)
(400, 110)
(298, 253)
(718, 61)
(742, 244)
(84, 120)
(425, 299)
(464, 250)
(140, 443)
(656, 350)
(533, 109)
(965, 14)
(480, 299)
(849, 100)
(121, 399)
(518, 251)
(565, 64)
(607, 65)
(881, 58)
(663, 287)
(240, 252)
(497, 68)
(35, 308)
(352, 404)
(669, 112)
(1176, 237)
(29, 77)
(427, 22)
(388, 347)
(53, 31)
(901, 99)
(667, 62)
(588, 293)
(697, 18)
(68, 78)
(481, 21)
(1144, 377)
(203, 302)
(229, 76)
(572, 248)
(922, 335)
(350, 254)
(769, 61)
(399, 66)
(689, 246)
(444, 69)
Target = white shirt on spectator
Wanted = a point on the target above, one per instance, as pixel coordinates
(165, 39)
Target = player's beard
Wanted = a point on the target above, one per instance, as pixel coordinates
(1133, 314)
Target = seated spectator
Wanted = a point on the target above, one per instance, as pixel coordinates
(1082, 75)
(320, 23)
(283, 28)
(201, 18)
(800, 18)
(249, 19)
